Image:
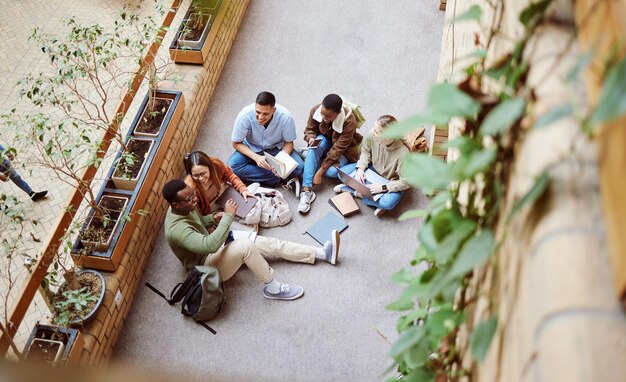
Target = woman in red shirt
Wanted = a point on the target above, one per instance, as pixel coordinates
(209, 177)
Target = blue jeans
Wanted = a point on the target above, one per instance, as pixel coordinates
(388, 201)
(313, 161)
(247, 170)
(7, 169)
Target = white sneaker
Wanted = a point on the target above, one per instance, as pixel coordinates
(306, 198)
(331, 247)
(286, 293)
(339, 188)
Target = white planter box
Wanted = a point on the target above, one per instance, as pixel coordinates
(143, 115)
(102, 246)
(124, 182)
(195, 44)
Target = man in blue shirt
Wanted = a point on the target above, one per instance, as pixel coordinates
(8, 172)
(262, 127)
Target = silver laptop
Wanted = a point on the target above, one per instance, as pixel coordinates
(371, 177)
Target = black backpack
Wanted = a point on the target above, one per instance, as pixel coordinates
(202, 294)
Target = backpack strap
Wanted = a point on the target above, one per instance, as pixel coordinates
(155, 290)
(207, 327)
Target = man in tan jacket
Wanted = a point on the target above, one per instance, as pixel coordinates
(333, 125)
(384, 156)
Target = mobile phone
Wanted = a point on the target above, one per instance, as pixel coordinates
(315, 143)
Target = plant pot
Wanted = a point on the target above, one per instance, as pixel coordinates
(126, 175)
(49, 336)
(184, 50)
(46, 351)
(151, 125)
(96, 235)
(190, 37)
(88, 278)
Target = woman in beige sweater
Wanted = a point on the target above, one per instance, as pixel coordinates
(384, 156)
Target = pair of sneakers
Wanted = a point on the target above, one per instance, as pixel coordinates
(287, 292)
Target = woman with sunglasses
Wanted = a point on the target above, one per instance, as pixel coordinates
(209, 177)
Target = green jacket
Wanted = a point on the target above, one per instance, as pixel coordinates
(189, 239)
(386, 160)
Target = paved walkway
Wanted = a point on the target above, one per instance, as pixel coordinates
(382, 55)
(19, 58)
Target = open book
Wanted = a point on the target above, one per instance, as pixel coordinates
(283, 163)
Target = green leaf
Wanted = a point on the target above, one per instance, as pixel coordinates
(400, 305)
(500, 119)
(421, 374)
(453, 241)
(612, 103)
(439, 324)
(541, 184)
(427, 236)
(409, 338)
(439, 201)
(420, 254)
(412, 214)
(417, 356)
(533, 13)
(479, 162)
(401, 128)
(474, 252)
(482, 336)
(473, 13)
(449, 100)
(403, 276)
(581, 64)
(553, 115)
(427, 172)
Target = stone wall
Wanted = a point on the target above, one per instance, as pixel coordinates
(559, 317)
(197, 82)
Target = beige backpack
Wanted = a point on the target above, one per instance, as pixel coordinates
(270, 210)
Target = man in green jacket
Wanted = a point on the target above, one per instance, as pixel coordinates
(188, 237)
(384, 156)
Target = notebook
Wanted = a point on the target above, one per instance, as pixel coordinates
(344, 203)
(283, 163)
(243, 207)
(321, 230)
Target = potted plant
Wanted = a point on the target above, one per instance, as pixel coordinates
(54, 345)
(78, 298)
(192, 41)
(103, 223)
(131, 163)
(195, 28)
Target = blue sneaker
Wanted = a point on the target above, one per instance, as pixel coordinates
(287, 292)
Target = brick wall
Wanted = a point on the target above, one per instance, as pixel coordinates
(559, 318)
(197, 84)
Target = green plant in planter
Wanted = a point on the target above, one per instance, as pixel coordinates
(73, 305)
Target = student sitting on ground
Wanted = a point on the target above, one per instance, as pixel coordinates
(335, 125)
(384, 156)
(209, 177)
(187, 236)
(264, 126)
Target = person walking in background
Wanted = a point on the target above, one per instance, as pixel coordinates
(188, 237)
(384, 156)
(8, 172)
(264, 126)
(335, 126)
(208, 177)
